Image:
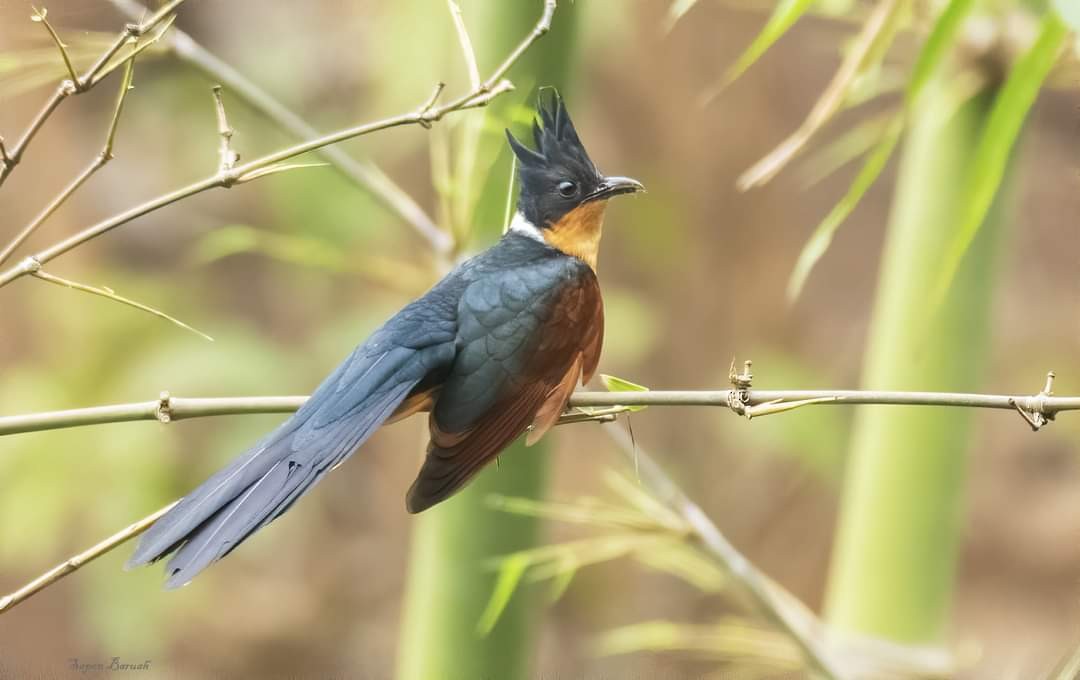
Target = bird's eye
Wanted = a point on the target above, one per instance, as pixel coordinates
(567, 189)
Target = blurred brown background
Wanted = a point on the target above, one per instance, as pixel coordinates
(693, 274)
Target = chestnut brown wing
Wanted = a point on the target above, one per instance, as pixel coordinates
(527, 340)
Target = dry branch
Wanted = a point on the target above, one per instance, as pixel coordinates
(79, 84)
(362, 173)
(425, 116)
(103, 157)
(77, 561)
(779, 607)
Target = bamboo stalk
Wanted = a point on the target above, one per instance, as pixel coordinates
(448, 584)
(895, 553)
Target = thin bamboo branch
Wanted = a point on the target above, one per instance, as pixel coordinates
(425, 116)
(78, 85)
(1037, 410)
(41, 16)
(467, 50)
(183, 408)
(227, 157)
(103, 157)
(362, 173)
(110, 294)
(82, 559)
(779, 608)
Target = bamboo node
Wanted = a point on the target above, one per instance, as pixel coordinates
(1034, 411)
(738, 399)
(163, 412)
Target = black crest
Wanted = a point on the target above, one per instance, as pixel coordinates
(558, 175)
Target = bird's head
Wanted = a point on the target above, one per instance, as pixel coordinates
(563, 195)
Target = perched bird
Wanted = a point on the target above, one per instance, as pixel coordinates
(492, 350)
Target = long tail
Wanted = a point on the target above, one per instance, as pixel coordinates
(264, 482)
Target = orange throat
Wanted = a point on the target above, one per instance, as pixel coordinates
(578, 232)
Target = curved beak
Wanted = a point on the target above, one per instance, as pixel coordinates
(614, 186)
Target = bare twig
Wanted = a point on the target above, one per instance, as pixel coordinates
(466, 44)
(362, 173)
(475, 98)
(617, 402)
(99, 161)
(39, 16)
(228, 157)
(780, 609)
(101, 68)
(111, 295)
(74, 563)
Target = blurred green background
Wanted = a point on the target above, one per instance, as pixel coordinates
(289, 273)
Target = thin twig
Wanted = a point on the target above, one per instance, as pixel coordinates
(82, 559)
(130, 31)
(111, 295)
(88, 80)
(99, 161)
(362, 173)
(489, 90)
(784, 612)
(466, 44)
(228, 157)
(39, 16)
(143, 44)
(184, 408)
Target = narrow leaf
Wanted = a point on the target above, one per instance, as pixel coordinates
(510, 573)
(567, 571)
(996, 142)
(685, 561)
(865, 53)
(931, 54)
(106, 292)
(823, 234)
(787, 12)
(937, 45)
(848, 146)
(616, 384)
(274, 169)
(780, 406)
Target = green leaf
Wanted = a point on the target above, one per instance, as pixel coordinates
(1010, 108)
(561, 582)
(1069, 11)
(787, 12)
(931, 54)
(685, 561)
(615, 384)
(510, 573)
(823, 234)
(937, 45)
(849, 145)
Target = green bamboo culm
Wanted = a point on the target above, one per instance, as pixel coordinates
(901, 512)
(450, 578)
